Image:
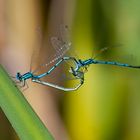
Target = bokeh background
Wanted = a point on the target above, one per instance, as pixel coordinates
(107, 106)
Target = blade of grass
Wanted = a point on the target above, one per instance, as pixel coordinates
(18, 111)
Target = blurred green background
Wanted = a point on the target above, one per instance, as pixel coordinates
(107, 106)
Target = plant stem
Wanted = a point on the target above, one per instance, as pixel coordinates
(18, 111)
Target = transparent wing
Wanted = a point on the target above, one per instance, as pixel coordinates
(60, 46)
(64, 40)
(104, 49)
(49, 57)
(60, 49)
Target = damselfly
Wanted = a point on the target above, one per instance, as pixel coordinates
(77, 67)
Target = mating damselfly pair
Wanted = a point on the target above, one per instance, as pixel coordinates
(74, 67)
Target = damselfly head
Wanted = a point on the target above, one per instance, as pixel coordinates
(19, 76)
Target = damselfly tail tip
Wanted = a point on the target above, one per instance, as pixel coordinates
(138, 67)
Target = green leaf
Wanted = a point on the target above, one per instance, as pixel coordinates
(18, 111)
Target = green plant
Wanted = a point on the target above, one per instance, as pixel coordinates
(18, 111)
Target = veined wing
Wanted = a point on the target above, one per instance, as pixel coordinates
(60, 49)
(104, 49)
(60, 46)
